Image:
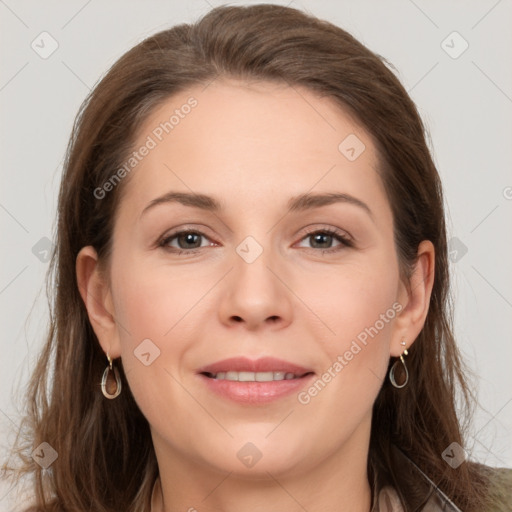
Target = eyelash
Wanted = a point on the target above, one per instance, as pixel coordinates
(344, 240)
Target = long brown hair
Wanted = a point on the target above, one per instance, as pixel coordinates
(105, 446)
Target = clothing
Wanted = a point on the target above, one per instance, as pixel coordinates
(388, 501)
(432, 499)
(429, 497)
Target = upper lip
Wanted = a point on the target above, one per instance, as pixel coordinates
(264, 364)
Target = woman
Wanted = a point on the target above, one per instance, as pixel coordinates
(298, 354)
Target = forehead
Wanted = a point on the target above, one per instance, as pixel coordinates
(250, 143)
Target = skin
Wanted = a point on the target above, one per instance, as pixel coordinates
(253, 146)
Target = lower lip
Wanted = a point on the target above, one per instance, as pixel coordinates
(255, 392)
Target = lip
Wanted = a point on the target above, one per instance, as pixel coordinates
(254, 393)
(244, 364)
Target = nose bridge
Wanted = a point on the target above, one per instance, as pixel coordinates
(254, 294)
(252, 264)
(252, 276)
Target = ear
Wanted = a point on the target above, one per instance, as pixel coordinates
(95, 291)
(414, 297)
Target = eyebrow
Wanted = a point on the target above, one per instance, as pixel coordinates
(301, 202)
(309, 201)
(192, 199)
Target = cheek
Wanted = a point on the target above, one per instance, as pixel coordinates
(155, 301)
(154, 310)
(356, 361)
(360, 307)
(358, 301)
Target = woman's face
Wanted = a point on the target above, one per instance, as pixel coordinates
(263, 275)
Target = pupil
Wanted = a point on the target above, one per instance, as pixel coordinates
(318, 238)
(188, 238)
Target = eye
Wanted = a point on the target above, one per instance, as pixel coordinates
(187, 241)
(190, 241)
(324, 238)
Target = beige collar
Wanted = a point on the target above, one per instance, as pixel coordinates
(388, 501)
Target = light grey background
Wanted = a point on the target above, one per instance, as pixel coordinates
(466, 103)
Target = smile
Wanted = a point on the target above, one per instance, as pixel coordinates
(253, 376)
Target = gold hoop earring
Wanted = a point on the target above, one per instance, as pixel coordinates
(403, 369)
(111, 381)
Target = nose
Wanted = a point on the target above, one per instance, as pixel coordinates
(255, 295)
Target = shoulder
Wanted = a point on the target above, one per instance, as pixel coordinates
(499, 492)
(500, 488)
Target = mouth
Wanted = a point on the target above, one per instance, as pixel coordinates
(254, 376)
(254, 382)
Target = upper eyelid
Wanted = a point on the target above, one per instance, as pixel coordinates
(334, 231)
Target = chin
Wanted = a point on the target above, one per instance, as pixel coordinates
(255, 456)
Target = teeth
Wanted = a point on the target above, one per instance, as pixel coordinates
(264, 377)
(254, 376)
